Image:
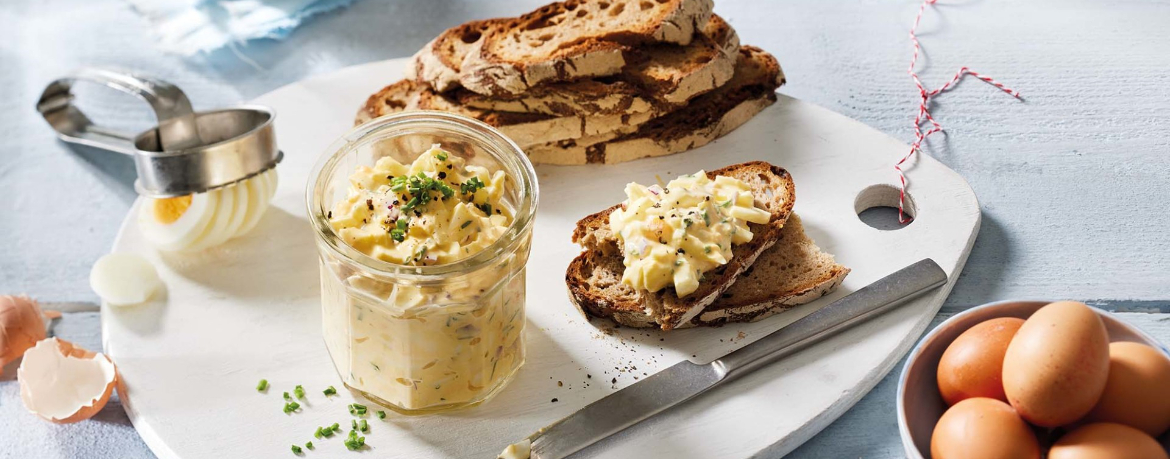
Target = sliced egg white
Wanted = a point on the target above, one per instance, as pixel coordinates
(240, 213)
(124, 279)
(216, 232)
(231, 205)
(174, 223)
(262, 191)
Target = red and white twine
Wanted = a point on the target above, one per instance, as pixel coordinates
(923, 106)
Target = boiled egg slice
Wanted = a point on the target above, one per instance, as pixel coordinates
(174, 223)
(240, 213)
(216, 232)
(63, 383)
(123, 279)
(258, 193)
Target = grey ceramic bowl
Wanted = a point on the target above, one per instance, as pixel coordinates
(919, 403)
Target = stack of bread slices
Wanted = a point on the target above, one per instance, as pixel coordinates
(592, 81)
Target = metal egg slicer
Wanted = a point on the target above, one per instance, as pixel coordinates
(188, 152)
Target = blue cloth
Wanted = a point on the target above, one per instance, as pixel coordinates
(188, 27)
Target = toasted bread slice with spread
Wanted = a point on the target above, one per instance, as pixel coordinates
(594, 278)
(526, 129)
(704, 119)
(659, 77)
(574, 39)
(793, 272)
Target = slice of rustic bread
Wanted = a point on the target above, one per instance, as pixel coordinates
(594, 278)
(526, 129)
(437, 63)
(658, 77)
(705, 118)
(575, 39)
(793, 271)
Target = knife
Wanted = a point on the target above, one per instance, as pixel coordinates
(685, 380)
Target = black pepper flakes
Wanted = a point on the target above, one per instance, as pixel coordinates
(555, 400)
(442, 175)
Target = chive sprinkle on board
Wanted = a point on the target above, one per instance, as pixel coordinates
(262, 385)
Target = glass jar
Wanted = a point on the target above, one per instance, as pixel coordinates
(424, 338)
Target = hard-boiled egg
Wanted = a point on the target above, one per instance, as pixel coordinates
(1106, 441)
(124, 279)
(203, 220)
(173, 224)
(63, 383)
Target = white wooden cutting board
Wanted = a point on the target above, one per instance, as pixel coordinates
(248, 310)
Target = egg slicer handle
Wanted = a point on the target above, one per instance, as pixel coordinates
(176, 121)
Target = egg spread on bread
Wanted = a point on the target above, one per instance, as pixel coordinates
(672, 235)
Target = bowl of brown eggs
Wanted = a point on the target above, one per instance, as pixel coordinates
(1035, 379)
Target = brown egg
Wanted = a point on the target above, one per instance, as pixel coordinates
(1137, 393)
(972, 366)
(1055, 368)
(982, 428)
(1106, 441)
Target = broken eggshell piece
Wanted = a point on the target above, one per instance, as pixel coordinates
(21, 325)
(63, 383)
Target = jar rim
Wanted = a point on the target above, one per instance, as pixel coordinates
(516, 164)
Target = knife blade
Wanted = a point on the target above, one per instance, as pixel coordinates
(685, 380)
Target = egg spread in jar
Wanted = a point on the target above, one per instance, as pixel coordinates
(672, 235)
(422, 345)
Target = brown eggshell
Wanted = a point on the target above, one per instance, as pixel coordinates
(1106, 441)
(1056, 367)
(1137, 393)
(983, 428)
(85, 410)
(21, 326)
(972, 366)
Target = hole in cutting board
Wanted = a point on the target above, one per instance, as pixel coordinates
(877, 206)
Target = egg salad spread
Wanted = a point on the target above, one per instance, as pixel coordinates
(425, 346)
(435, 210)
(672, 235)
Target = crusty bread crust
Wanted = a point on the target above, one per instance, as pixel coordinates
(703, 120)
(773, 190)
(574, 39)
(658, 77)
(526, 129)
(437, 63)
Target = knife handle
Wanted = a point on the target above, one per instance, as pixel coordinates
(871, 300)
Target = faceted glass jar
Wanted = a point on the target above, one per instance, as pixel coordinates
(424, 338)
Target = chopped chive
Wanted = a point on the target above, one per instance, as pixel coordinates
(364, 427)
(330, 391)
(465, 224)
(296, 449)
(291, 406)
(381, 415)
(309, 445)
(353, 423)
(327, 432)
(335, 427)
(262, 385)
(442, 156)
(318, 433)
(299, 391)
(286, 397)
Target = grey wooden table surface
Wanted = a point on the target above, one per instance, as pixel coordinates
(1073, 182)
